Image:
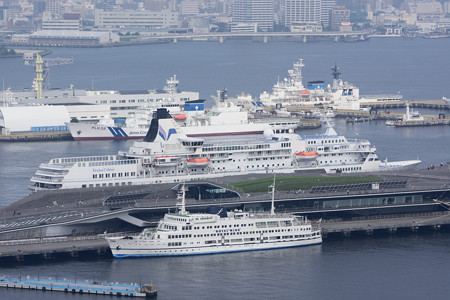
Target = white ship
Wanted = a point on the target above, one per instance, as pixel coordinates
(291, 91)
(184, 233)
(341, 95)
(224, 119)
(121, 104)
(167, 155)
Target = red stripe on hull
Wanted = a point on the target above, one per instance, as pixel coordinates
(107, 138)
(190, 135)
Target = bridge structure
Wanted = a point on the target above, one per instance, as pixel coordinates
(263, 36)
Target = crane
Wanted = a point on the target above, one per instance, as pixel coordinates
(42, 69)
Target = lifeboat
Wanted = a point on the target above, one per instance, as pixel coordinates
(198, 162)
(306, 155)
(180, 117)
(166, 161)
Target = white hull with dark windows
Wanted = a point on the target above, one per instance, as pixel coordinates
(165, 154)
(185, 233)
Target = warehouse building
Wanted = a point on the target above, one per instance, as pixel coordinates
(33, 119)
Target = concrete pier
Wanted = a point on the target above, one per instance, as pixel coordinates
(88, 288)
(389, 223)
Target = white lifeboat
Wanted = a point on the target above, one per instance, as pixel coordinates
(306, 155)
(166, 161)
(198, 162)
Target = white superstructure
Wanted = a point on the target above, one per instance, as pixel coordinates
(122, 104)
(167, 155)
(185, 233)
(225, 119)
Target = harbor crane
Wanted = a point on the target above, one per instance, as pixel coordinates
(42, 69)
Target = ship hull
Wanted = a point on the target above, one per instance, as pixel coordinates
(86, 131)
(184, 251)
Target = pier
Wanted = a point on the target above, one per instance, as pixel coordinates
(73, 223)
(391, 223)
(74, 287)
(35, 136)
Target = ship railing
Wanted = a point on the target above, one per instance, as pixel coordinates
(46, 180)
(51, 173)
(56, 167)
(66, 238)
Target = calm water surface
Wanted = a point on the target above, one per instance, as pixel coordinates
(403, 266)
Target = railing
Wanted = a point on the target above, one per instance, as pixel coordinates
(46, 180)
(64, 239)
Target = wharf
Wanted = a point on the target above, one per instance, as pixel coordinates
(74, 287)
(426, 122)
(431, 104)
(35, 136)
(390, 223)
(75, 222)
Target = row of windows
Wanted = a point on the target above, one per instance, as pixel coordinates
(113, 175)
(81, 159)
(233, 148)
(175, 236)
(106, 184)
(112, 163)
(327, 141)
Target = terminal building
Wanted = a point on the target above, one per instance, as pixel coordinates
(132, 18)
(73, 37)
(33, 119)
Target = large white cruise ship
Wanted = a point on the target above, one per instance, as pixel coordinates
(167, 155)
(184, 233)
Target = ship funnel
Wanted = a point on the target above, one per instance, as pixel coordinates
(162, 128)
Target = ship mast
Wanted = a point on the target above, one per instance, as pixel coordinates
(272, 208)
(336, 75)
(181, 196)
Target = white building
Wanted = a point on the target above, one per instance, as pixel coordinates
(243, 27)
(302, 11)
(73, 37)
(57, 23)
(260, 12)
(306, 27)
(131, 18)
(188, 7)
(325, 10)
(33, 118)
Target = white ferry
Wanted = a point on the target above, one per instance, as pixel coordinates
(223, 120)
(185, 233)
(162, 157)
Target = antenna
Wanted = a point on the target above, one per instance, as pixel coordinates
(272, 208)
(182, 196)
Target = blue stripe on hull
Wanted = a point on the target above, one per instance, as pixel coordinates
(206, 253)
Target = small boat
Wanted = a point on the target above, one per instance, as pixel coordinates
(390, 123)
(180, 117)
(306, 155)
(198, 162)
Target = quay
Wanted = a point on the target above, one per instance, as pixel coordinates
(74, 287)
(35, 136)
(391, 223)
(74, 223)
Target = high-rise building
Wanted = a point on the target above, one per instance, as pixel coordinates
(325, 10)
(300, 11)
(258, 12)
(339, 15)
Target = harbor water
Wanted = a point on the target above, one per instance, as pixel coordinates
(402, 266)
